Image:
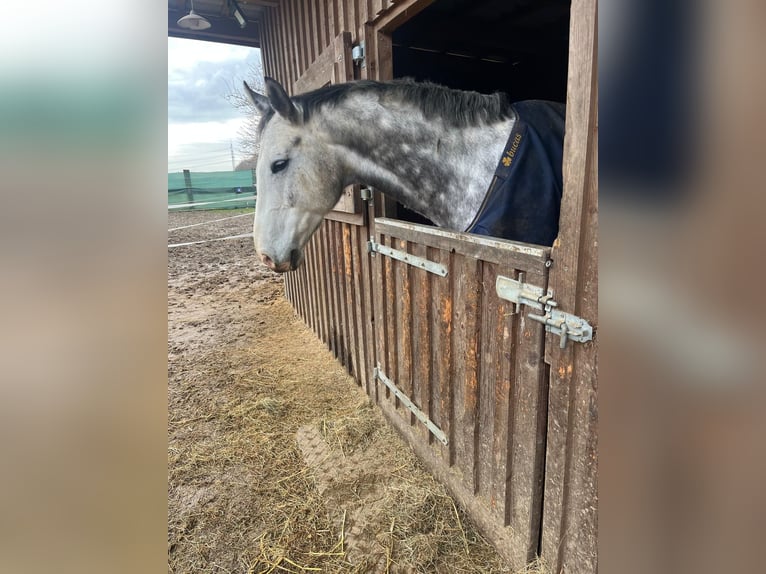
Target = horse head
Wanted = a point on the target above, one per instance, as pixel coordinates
(298, 179)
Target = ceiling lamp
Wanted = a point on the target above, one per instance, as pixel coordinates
(193, 21)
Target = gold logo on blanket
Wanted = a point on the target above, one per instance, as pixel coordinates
(510, 153)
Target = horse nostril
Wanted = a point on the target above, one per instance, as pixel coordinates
(267, 261)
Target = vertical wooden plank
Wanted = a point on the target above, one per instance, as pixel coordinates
(328, 288)
(334, 274)
(329, 297)
(295, 278)
(305, 294)
(488, 317)
(441, 350)
(342, 24)
(421, 339)
(404, 314)
(322, 24)
(324, 292)
(332, 17)
(343, 301)
(368, 288)
(341, 289)
(294, 44)
(299, 276)
(305, 278)
(293, 291)
(313, 287)
(272, 25)
(569, 538)
(320, 288)
(344, 65)
(286, 53)
(359, 251)
(385, 57)
(527, 434)
(270, 45)
(370, 71)
(351, 301)
(297, 43)
(505, 357)
(465, 353)
(380, 299)
(279, 52)
(392, 320)
(352, 24)
(336, 319)
(286, 282)
(363, 11)
(308, 31)
(314, 28)
(310, 287)
(267, 45)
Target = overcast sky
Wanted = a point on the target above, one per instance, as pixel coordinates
(201, 122)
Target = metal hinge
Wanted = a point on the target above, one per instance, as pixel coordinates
(426, 264)
(405, 400)
(565, 325)
(358, 55)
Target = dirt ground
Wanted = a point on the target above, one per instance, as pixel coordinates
(277, 462)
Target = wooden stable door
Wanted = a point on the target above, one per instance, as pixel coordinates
(460, 371)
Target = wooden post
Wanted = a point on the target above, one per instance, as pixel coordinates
(570, 519)
(187, 181)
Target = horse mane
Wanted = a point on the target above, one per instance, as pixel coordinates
(457, 108)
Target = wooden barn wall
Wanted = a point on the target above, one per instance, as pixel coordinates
(296, 32)
(332, 293)
(542, 497)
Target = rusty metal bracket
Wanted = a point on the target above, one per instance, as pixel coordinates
(430, 266)
(421, 416)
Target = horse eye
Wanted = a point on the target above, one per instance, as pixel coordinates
(279, 165)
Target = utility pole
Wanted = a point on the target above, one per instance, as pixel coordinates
(231, 147)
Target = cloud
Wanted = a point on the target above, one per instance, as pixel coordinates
(201, 75)
(201, 121)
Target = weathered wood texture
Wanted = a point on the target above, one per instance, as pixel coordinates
(299, 34)
(474, 367)
(522, 453)
(570, 520)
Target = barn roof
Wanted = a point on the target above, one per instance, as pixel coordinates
(220, 13)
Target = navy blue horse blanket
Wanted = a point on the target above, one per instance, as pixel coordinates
(524, 198)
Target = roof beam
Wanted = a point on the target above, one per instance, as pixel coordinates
(224, 30)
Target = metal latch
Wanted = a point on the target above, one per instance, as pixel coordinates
(565, 325)
(366, 194)
(426, 264)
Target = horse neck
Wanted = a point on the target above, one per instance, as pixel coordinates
(437, 170)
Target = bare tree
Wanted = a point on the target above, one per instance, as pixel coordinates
(247, 142)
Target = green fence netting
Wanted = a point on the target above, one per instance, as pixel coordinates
(214, 189)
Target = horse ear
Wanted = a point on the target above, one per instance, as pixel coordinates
(260, 102)
(281, 102)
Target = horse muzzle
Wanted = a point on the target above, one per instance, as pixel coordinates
(291, 264)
